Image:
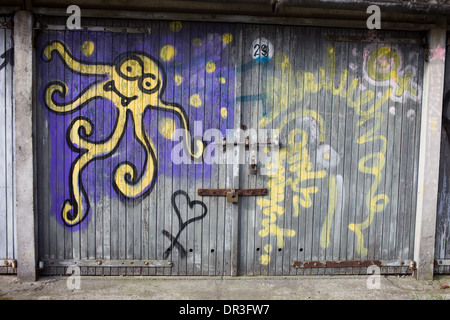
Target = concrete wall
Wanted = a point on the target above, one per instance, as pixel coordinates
(24, 171)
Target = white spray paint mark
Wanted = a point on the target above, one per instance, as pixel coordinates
(410, 113)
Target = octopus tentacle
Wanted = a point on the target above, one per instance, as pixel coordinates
(73, 63)
(126, 180)
(74, 211)
(84, 125)
(59, 88)
(196, 152)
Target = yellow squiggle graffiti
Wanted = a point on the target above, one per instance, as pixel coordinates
(271, 208)
(372, 198)
(298, 160)
(301, 166)
(332, 199)
(382, 67)
(288, 87)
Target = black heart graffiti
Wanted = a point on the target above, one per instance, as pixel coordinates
(182, 224)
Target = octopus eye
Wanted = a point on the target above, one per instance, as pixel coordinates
(149, 83)
(130, 69)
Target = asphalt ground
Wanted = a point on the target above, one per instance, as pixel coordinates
(225, 288)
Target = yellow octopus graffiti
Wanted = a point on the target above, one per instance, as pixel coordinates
(381, 67)
(134, 83)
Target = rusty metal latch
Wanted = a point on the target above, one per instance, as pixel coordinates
(232, 194)
(354, 264)
(10, 263)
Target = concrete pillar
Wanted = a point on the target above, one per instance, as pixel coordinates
(433, 89)
(24, 154)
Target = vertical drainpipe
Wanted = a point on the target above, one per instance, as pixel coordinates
(430, 132)
(23, 144)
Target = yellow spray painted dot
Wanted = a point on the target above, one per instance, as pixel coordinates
(167, 52)
(176, 26)
(227, 37)
(210, 66)
(264, 259)
(197, 42)
(222, 80)
(195, 100)
(326, 156)
(166, 127)
(178, 79)
(87, 48)
(224, 112)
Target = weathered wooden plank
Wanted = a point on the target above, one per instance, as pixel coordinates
(381, 225)
(407, 165)
(368, 158)
(261, 77)
(209, 64)
(98, 234)
(41, 122)
(442, 242)
(214, 121)
(58, 126)
(233, 174)
(410, 116)
(3, 149)
(249, 86)
(417, 120)
(10, 191)
(339, 229)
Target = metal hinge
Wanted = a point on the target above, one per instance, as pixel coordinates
(232, 194)
(441, 262)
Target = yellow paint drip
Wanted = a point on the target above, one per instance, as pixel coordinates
(332, 199)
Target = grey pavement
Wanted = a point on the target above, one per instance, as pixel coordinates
(346, 287)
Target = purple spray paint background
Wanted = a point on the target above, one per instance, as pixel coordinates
(195, 47)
